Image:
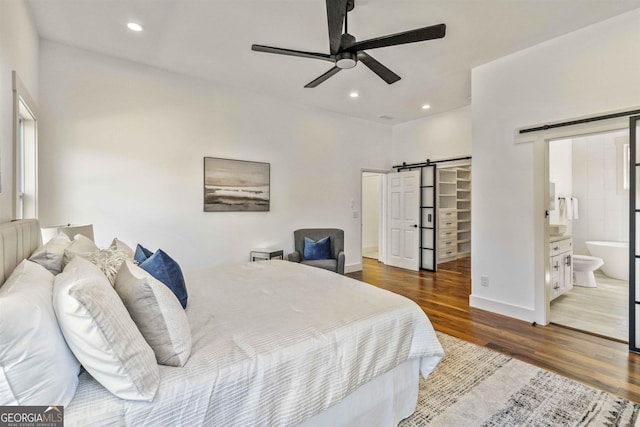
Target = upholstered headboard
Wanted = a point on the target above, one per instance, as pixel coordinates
(18, 240)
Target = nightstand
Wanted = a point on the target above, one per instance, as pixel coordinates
(260, 254)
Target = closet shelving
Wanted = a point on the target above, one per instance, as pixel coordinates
(463, 180)
(454, 210)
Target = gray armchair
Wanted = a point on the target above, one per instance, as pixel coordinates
(335, 264)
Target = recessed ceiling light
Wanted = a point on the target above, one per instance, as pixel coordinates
(354, 94)
(426, 106)
(133, 26)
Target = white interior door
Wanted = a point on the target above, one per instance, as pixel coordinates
(403, 240)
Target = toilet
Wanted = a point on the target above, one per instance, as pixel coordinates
(583, 268)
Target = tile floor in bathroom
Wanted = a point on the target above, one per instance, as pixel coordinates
(603, 310)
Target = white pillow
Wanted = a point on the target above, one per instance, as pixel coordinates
(81, 245)
(50, 255)
(101, 334)
(121, 246)
(157, 313)
(36, 366)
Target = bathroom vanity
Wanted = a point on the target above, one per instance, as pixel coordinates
(561, 265)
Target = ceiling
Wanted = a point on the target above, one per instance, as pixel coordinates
(211, 39)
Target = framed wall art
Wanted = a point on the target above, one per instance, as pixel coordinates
(236, 185)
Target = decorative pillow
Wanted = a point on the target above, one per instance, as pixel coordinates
(165, 269)
(119, 245)
(36, 365)
(81, 245)
(317, 250)
(51, 254)
(157, 313)
(141, 254)
(101, 334)
(108, 261)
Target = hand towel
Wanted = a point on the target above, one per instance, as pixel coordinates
(574, 207)
(562, 206)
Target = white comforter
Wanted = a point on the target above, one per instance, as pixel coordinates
(274, 343)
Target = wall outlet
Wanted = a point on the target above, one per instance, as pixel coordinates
(484, 281)
(354, 214)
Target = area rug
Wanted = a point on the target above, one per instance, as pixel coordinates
(476, 386)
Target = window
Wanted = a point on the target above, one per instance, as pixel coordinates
(20, 169)
(25, 153)
(626, 150)
(623, 162)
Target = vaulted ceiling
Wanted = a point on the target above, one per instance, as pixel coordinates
(211, 39)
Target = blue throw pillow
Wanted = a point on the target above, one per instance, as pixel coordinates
(165, 269)
(317, 250)
(141, 254)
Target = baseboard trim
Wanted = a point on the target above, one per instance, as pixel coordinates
(499, 307)
(352, 268)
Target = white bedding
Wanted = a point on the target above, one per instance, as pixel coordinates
(274, 343)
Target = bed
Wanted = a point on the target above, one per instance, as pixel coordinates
(274, 343)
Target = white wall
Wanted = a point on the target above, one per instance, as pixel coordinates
(371, 200)
(434, 137)
(560, 173)
(19, 52)
(590, 71)
(122, 147)
(603, 208)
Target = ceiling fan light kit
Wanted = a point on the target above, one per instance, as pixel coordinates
(345, 51)
(346, 60)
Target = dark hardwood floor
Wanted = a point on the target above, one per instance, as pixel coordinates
(444, 296)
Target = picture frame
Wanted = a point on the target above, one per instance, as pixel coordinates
(231, 185)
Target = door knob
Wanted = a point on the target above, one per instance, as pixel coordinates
(415, 225)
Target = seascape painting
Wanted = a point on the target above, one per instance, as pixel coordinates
(235, 185)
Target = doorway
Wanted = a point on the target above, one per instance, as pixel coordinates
(390, 204)
(372, 215)
(588, 221)
(402, 207)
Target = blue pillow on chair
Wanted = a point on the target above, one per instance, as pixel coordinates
(141, 254)
(317, 250)
(165, 269)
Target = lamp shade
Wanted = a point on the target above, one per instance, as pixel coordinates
(69, 229)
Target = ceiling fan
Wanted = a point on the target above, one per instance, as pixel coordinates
(345, 51)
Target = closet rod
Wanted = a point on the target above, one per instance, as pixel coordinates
(581, 121)
(429, 162)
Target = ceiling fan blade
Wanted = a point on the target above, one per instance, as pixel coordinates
(336, 10)
(383, 72)
(417, 35)
(291, 52)
(323, 77)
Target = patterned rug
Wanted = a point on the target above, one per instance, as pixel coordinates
(475, 386)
